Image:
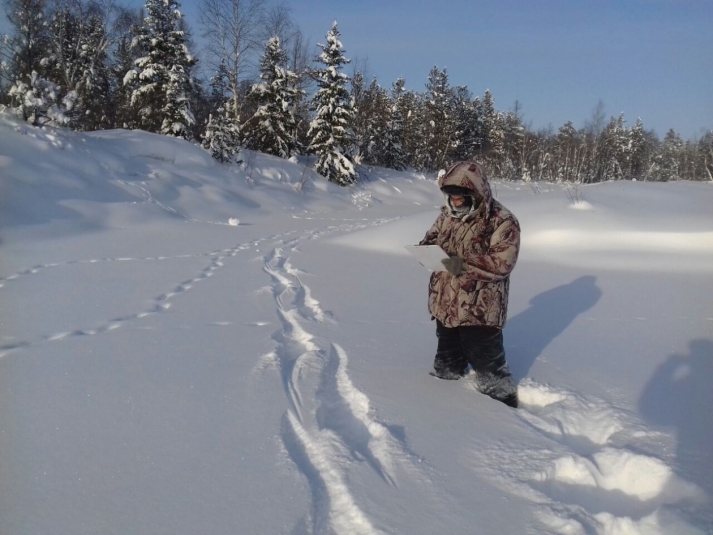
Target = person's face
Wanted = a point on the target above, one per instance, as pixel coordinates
(457, 200)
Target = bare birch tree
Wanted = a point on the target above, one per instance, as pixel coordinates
(233, 30)
(278, 23)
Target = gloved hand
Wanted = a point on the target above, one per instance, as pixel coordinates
(453, 265)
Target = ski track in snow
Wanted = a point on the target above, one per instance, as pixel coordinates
(596, 478)
(160, 303)
(327, 417)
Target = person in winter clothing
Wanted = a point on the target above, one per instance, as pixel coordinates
(469, 299)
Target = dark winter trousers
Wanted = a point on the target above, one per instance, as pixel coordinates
(482, 348)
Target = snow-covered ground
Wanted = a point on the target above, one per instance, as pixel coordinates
(165, 370)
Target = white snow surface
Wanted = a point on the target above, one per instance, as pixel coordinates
(190, 347)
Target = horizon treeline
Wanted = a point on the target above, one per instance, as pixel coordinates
(259, 84)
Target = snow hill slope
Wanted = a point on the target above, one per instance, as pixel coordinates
(188, 347)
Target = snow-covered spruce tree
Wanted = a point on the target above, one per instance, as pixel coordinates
(667, 161)
(273, 128)
(38, 101)
(162, 75)
(30, 95)
(222, 132)
(298, 61)
(329, 132)
(219, 87)
(409, 104)
(466, 119)
(640, 151)
(513, 137)
(221, 136)
(360, 134)
(123, 63)
(567, 154)
(77, 62)
(492, 135)
(613, 155)
(687, 170)
(371, 118)
(705, 157)
(440, 135)
(378, 122)
(389, 151)
(22, 51)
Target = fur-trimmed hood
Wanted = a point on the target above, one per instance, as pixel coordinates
(469, 175)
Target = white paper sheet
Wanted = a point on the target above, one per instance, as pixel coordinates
(429, 256)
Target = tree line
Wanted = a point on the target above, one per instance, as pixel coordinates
(94, 64)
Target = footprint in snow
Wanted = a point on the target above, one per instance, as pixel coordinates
(594, 479)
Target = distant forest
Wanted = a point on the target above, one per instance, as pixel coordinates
(259, 85)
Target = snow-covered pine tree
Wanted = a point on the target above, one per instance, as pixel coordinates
(38, 101)
(466, 119)
(219, 87)
(77, 62)
(409, 105)
(94, 84)
(687, 169)
(371, 118)
(493, 134)
(273, 128)
(29, 94)
(360, 134)
(640, 151)
(123, 63)
(201, 108)
(222, 132)
(440, 134)
(705, 157)
(329, 132)
(542, 166)
(221, 136)
(513, 137)
(567, 154)
(390, 152)
(21, 51)
(162, 76)
(667, 161)
(378, 121)
(614, 149)
(298, 62)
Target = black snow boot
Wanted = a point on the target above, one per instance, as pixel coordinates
(482, 348)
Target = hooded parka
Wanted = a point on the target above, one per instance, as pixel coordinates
(487, 238)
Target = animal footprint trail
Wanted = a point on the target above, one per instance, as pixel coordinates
(161, 303)
(41, 267)
(225, 253)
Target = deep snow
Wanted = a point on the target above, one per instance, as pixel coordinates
(166, 370)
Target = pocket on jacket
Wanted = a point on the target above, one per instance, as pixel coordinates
(490, 303)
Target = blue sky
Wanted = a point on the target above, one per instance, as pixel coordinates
(647, 58)
(651, 59)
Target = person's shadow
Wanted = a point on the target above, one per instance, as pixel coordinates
(548, 315)
(679, 395)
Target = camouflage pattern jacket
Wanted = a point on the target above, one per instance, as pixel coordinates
(488, 241)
